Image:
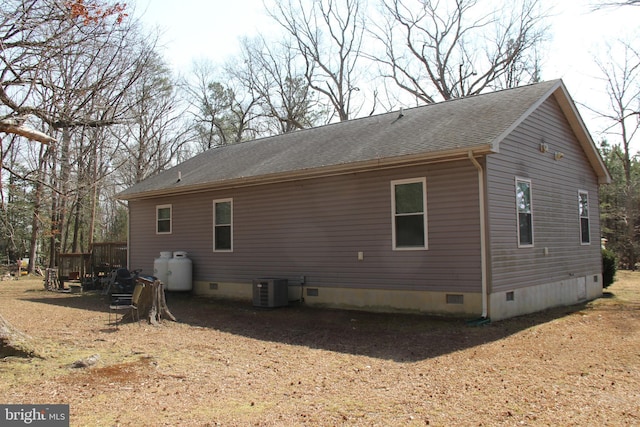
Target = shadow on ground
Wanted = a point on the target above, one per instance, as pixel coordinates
(398, 337)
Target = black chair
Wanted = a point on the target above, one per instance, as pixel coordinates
(119, 302)
(125, 281)
(126, 302)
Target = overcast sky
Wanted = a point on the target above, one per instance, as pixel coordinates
(196, 29)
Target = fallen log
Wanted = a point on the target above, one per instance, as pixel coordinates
(16, 343)
(16, 126)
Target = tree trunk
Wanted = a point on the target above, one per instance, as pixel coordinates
(62, 223)
(77, 214)
(629, 199)
(94, 191)
(54, 234)
(36, 222)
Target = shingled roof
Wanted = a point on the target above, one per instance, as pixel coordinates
(444, 130)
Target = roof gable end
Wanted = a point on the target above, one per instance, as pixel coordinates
(559, 91)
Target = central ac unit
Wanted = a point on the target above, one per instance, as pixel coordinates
(270, 292)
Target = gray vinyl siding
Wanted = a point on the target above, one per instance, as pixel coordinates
(554, 193)
(316, 228)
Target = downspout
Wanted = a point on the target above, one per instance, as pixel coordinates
(483, 234)
(129, 235)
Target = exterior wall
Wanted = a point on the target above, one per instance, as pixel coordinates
(557, 256)
(316, 228)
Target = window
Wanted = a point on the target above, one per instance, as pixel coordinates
(223, 225)
(163, 219)
(525, 218)
(409, 214)
(583, 211)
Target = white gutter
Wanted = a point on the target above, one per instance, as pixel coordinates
(129, 235)
(483, 234)
(182, 186)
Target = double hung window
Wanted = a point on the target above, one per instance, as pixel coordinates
(223, 225)
(409, 214)
(525, 214)
(583, 211)
(163, 219)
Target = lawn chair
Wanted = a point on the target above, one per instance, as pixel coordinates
(126, 302)
(110, 282)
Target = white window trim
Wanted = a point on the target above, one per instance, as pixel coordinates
(158, 207)
(533, 240)
(230, 200)
(580, 218)
(423, 180)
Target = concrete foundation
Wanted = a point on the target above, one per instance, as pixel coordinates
(502, 305)
(516, 302)
(441, 303)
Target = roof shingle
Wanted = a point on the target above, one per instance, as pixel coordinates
(460, 124)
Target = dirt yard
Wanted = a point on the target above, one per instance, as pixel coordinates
(230, 364)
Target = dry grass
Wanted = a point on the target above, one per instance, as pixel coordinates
(230, 364)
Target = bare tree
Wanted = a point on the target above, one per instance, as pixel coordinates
(605, 4)
(622, 79)
(328, 34)
(272, 70)
(36, 36)
(441, 50)
(85, 88)
(153, 134)
(225, 111)
(14, 201)
(12, 341)
(69, 64)
(35, 32)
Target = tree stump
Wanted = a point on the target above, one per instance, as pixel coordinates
(51, 279)
(152, 303)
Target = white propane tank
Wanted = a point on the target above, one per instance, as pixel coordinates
(161, 267)
(180, 269)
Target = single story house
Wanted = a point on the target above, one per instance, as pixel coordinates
(483, 206)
